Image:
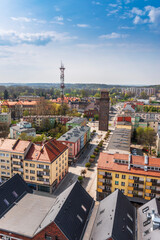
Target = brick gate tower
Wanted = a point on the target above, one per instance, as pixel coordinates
(104, 110)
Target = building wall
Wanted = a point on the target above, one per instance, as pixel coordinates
(45, 174)
(51, 230)
(5, 118)
(143, 187)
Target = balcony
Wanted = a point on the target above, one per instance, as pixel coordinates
(138, 189)
(155, 184)
(155, 191)
(107, 177)
(40, 179)
(107, 184)
(139, 181)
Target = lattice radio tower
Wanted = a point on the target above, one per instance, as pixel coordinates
(62, 68)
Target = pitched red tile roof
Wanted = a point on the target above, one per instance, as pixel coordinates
(106, 162)
(46, 152)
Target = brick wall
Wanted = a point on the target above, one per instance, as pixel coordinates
(51, 230)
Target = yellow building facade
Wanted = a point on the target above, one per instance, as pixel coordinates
(141, 184)
(41, 166)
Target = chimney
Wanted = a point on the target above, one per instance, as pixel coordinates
(129, 161)
(146, 158)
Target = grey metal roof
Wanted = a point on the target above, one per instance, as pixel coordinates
(112, 219)
(11, 192)
(20, 129)
(74, 134)
(33, 213)
(143, 227)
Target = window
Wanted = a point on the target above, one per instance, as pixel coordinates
(15, 194)
(99, 223)
(148, 221)
(47, 237)
(102, 211)
(116, 182)
(47, 167)
(6, 202)
(26, 176)
(83, 207)
(129, 230)
(32, 171)
(122, 183)
(32, 165)
(123, 176)
(32, 178)
(122, 190)
(144, 210)
(26, 164)
(80, 219)
(117, 176)
(26, 171)
(7, 155)
(129, 216)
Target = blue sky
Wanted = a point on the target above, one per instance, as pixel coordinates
(112, 42)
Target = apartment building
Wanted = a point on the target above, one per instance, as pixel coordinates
(26, 216)
(42, 165)
(45, 165)
(137, 177)
(76, 121)
(22, 127)
(139, 90)
(5, 118)
(37, 120)
(76, 139)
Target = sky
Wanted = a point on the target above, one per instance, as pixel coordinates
(108, 42)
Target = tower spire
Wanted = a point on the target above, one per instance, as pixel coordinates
(62, 68)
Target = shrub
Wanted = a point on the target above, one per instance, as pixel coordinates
(92, 156)
(87, 165)
(80, 179)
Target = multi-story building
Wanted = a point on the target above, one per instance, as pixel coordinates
(26, 216)
(42, 165)
(22, 127)
(158, 144)
(136, 176)
(17, 108)
(138, 90)
(104, 111)
(37, 120)
(76, 139)
(5, 118)
(76, 121)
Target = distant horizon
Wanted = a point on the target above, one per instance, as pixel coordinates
(58, 83)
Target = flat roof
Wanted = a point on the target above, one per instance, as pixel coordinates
(13, 145)
(74, 134)
(76, 120)
(22, 129)
(120, 140)
(26, 216)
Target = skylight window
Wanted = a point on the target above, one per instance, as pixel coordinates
(15, 194)
(99, 223)
(144, 210)
(83, 207)
(129, 230)
(102, 211)
(6, 202)
(80, 219)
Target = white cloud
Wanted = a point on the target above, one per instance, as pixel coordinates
(113, 35)
(96, 3)
(112, 5)
(137, 11)
(27, 20)
(58, 20)
(112, 12)
(153, 14)
(126, 27)
(40, 38)
(83, 25)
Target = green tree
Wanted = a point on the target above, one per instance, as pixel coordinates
(6, 95)
(140, 135)
(149, 138)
